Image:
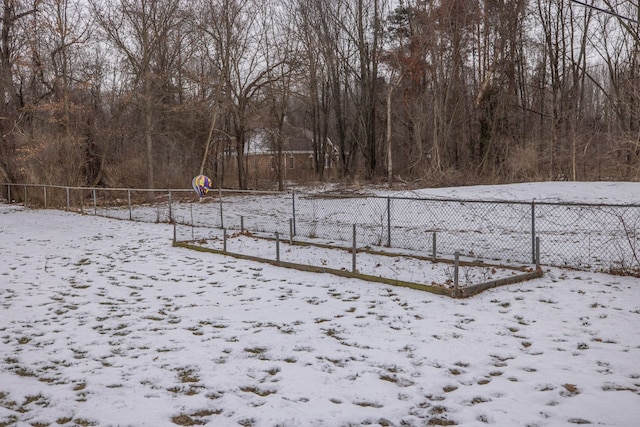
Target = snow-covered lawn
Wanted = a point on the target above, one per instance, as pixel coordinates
(103, 322)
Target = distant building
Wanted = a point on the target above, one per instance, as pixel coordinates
(298, 160)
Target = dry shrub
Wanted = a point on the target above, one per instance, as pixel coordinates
(522, 162)
(50, 158)
(448, 177)
(128, 171)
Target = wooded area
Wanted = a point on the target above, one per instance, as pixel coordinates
(148, 93)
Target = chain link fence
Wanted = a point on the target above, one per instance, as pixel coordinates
(593, 237)
(590, 236)
(583, 236)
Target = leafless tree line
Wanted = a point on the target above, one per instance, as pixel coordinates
(148, 93)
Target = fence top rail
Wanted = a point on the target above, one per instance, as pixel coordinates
(348, 196)
(485, 201)
(173, 190)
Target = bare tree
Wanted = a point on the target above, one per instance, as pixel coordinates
(148, 34)
(239, 45)
(58, 118)
(367, 16)
(311, 82)
(14, 11)
(284, 49)
(500, 85)
(623, 63)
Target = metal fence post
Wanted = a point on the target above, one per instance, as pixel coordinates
(456, 276)
(224, 240)
(388, 222)
(293, 207)
(241, 223)
(433, 241)
(533, 230)
(353, 251)
(67, 188)
(277, 247)
(221, 213)
(193, 237)
(44, 190)
(9, 193)
(537, 253)
(170, 213)
(25, 195)
(129, 203)
(290, 231)
(95, 202)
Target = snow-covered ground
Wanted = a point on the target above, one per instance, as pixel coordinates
(103, 322)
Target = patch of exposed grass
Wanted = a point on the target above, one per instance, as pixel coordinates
(219, 326)
(273, 371)
(206, 412)
(502, 358)
(258, 391)
(438, 409)
(52, 380)
(479, 399)
(247, 422)
(24, 372)
(11, 420)
(521, 320)
(37, 399)
(84, 422)
(333, 333)
(186, 420)
(441, 422)
(186, 375)
(569, 390)
(79, 354)
(616, 387)
(390, 378)
(578, 421)
(546, 387)
(187, 391)
(214, 395)
(256, 350)
(368, 404)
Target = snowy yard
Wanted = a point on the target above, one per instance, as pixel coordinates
(103, 322)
